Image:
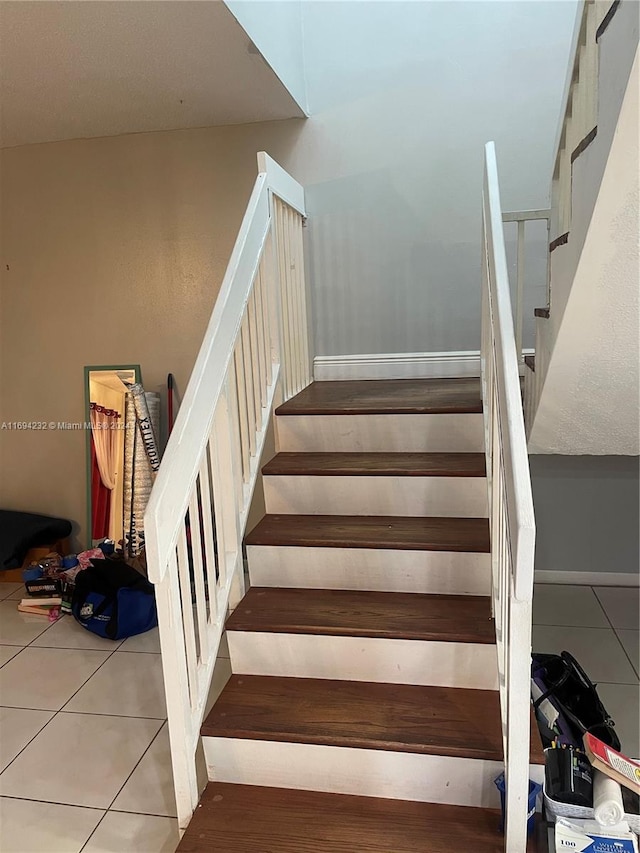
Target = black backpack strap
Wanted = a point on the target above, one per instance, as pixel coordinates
(556, 684)
(573, 664)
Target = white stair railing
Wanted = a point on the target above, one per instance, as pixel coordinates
(521, 217)
(511, 517)
(579, 113)
(256, 347)
(577, 128)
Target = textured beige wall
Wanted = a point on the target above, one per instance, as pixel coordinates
(112, 253)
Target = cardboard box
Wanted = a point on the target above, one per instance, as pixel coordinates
(589, 837)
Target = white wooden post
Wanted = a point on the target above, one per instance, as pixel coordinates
(520, 289)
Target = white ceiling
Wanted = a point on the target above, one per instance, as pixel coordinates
(84, 68)
(111, 378)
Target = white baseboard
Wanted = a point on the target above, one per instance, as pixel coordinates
(588, 578)
(398, 365)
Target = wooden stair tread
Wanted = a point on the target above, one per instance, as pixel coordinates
(354, 613)
(373, 531)
(444, 721)
(386, 396)
(377, 464)
(250, 819)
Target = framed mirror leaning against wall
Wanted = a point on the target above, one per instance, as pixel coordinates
(106, 388)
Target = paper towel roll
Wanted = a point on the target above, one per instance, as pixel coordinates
(607, 800)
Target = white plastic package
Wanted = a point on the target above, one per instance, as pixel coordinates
(607, 800)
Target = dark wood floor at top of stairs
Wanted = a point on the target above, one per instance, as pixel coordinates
(248, 819)
(398, 717)
(386, 396)
(377, 464)
(373, 531)
(355, 613)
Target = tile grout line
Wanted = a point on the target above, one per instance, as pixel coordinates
(41, 729)
(88, 808)
(84, 713)
(108, 810)
(61, 710)
(633, 665)
(615, 633)
(74, 806)
(153, 739)
(91, 809)
(162, 721)
(78, 805)
(20, 649)
(93, 832)
(55, 713)
(53, 803)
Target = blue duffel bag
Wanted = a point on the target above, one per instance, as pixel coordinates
(113, 600)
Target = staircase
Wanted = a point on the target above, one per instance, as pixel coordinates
(373, 699)
(363, 655)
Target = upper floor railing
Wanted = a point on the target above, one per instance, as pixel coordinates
(577, 128)
(255, 350)
(521, 217)
(579, 113)
(511, 517)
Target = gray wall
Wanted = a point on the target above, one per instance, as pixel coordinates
(275, 27)
(587, 513)
(402, 98)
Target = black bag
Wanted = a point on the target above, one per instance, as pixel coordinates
(113, 600)
(574, 695)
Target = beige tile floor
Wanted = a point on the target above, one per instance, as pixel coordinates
(84, 748)
(600, 626)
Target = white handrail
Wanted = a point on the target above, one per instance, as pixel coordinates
(255, 349)
(511, 517)
(189, 434)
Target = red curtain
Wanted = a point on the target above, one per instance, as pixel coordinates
(100, 500)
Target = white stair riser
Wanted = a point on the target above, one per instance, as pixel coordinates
(364, 772)
(470, 665)
(381, 569)
(381, 433)
(406, 496)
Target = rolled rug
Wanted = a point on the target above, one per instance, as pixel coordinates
(146, 425)
(138, 474)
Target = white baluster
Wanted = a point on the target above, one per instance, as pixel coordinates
(200, 604)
